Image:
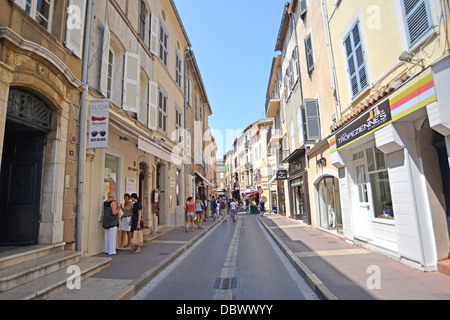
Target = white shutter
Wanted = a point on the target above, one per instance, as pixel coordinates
(301, 132)
(153, 105)
(105, 61)
(131, 82)
(22, 3)
(76, 13)
(154, 41)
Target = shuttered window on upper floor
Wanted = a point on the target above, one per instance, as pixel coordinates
(356, 60)
(417, 18)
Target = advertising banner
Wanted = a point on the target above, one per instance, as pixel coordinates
(98, 124)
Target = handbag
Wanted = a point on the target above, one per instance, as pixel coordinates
(138, 238)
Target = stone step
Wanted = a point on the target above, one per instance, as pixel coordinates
(53, 283)
(19, 274)
(10, 256)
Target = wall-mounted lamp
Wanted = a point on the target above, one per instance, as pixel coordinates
(407, 57)
(322, 162)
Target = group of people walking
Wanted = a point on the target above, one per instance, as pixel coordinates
(200, 209)
(130, 221)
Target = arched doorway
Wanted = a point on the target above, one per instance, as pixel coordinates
(330, 216)
(28, 122)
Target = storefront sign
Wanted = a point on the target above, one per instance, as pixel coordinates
(98, 124)
(412, 96)
(365, 124)
(282, 175)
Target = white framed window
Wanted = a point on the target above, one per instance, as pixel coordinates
(178, 123)
(178, 69)
(110, 74)
(39, 10)
(356, 60)
(162, 110)
(163, 45)
(309, 52)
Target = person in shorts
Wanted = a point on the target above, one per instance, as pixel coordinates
(189, 208)
(199, 211)
(233, 209)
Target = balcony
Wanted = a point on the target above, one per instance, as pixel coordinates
(274, 136)
(273, 108)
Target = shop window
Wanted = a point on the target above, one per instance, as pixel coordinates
(329, 204)
(111, 176)
(379, 182)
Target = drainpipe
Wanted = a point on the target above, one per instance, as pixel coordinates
(82, 129)
(333, 68)
(186, 165)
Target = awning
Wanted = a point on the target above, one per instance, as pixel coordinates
(206, 180)
(294, 155)
(158, 151)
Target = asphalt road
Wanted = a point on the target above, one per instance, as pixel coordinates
(235, 261)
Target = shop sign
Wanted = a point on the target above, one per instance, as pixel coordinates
(412, 96)
(375, 118)
(282, 175)
(98, 124)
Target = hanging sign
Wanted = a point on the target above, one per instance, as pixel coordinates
(98, 124)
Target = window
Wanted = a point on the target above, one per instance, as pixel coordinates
(163, 45)
(111, 177)
(177, 188)
(356, 64)
(40, 10)
(417, 18)
(142, 19)
(379, 182)
(178, 123)
(178, 68)
(309, 52)
(110, 74)
(162, 111)
(313, 129)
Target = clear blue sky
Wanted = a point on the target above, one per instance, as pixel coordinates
(234, 44)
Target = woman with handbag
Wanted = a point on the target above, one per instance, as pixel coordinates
(110, 223)
(125, 226)
(136, 221)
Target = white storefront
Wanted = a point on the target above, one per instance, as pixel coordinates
(392, 172)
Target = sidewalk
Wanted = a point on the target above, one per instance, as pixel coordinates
(129, 272)
(336, 269)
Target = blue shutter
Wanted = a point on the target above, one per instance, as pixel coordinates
(417, 19)
(356, 63)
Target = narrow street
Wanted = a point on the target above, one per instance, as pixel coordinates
(236, 261)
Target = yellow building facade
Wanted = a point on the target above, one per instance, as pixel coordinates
(391, 141)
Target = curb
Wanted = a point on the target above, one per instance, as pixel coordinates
(134, 287)
(313, 281)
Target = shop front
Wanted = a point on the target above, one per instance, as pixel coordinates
(392, 171)
(298, 186)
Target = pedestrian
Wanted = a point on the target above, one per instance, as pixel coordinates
(189, 209)
(213, 203)
(223, 210)
(199, 211)
(262, 209)
(110, 222)
(136, 218)
(125, 226)
(233, 209)
(205, 208)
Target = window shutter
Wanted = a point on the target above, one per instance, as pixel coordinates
(76, 13)
(105, 60)
(153, 105)
(154, 41)
(309, 52)
(292, 136)
(131, 82)
(22, 3)
(356, 61)
(188, 147)
(301, 132)
(418, 19)
(313, 131)
(303, 7)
